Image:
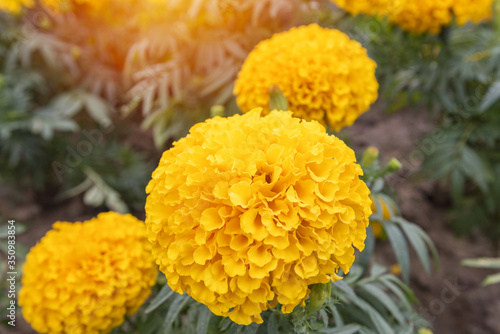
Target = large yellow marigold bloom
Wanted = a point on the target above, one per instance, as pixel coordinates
(324, 75)
(247, 211)
(86, 277)
(472, 10)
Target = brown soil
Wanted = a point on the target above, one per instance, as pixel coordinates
(452, 298)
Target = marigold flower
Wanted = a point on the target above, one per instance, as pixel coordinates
(370, 7)
(324, 75)
(86, 277)
(421, 16)
(246, 212)
(472, 10)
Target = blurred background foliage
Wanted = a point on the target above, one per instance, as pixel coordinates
(455, 77)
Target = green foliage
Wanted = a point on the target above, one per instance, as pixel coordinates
(456, 77)
(374, 302)
(487, 263)
(395, 227)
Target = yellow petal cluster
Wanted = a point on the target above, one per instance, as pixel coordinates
(86, 277)
(370, 7)
(422, 16)
(247, 211)
(324, 75)
(472, 10)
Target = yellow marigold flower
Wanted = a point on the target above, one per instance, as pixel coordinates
(248, 211)
(472, 10)
(86, 277)
(370, 7)
(324, 75)
(421, 16)
(15, 6)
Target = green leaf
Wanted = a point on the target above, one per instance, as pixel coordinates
(490, 263)
(397, 291)
(162, 296)
(173, 312)
(417, 243)
(251, 329)
(204, 317)
(473, 167)
(363, 260)
(97, 108)
(492, 279)
(272, 325)
(336, 316)
(381, 296)
(400, 247)
(491, 97)
(349, 329)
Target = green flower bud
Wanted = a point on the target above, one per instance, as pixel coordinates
(217, 110)
(369, 156)
(318, 296)
(394, 165)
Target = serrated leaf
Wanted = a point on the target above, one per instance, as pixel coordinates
(162, 296)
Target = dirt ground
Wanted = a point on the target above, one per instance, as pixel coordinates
(452, 299)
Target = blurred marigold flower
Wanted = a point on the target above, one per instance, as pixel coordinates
(86, 277)
(248, 211)
(324, 75)
(472, 10)
(422, 16)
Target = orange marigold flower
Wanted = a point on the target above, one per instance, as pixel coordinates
(248, 211)
(324, 75)
(86, 277)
